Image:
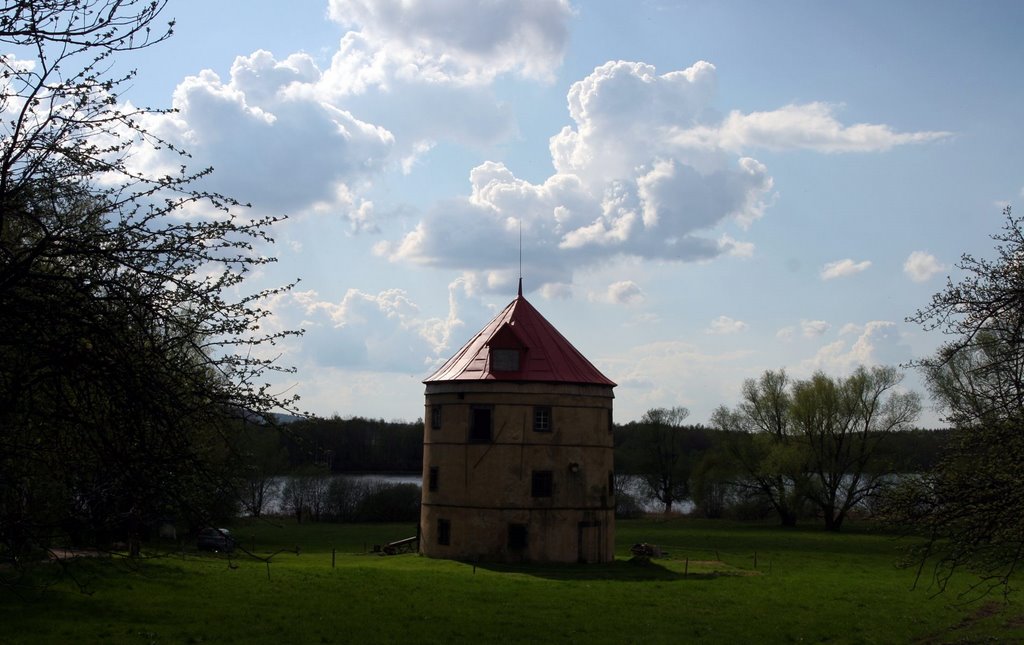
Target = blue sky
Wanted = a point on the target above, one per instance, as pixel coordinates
(706, 190)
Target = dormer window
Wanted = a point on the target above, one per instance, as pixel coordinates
(506, 349)
(505, 360)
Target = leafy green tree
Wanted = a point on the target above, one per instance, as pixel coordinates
(130, 344)
(842, 422)
(971, 505)
(356, 444)
(383, 502)
(711, 483)
(344, 495)
(666, 466)
(817, 441)
(764, 445)
(307, 493)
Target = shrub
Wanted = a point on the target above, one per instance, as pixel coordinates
(344, 498)
(390, 503)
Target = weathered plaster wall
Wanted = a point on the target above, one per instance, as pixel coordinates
(484, 487)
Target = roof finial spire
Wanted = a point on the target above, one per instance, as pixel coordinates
(520, 257)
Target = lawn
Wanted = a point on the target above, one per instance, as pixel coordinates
(807, 586)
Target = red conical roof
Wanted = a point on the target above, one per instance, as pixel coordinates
(544, 355)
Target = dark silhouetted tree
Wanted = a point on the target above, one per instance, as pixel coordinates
(842, 422)
(771, 460)
(971, 505)
(130, 347)
(819, 440)
(666, 465)
(711, 483)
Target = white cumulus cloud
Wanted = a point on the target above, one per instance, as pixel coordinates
(876, 343)
(811, 126)
(666, 373)
(293, 138)
(419, 108)
(556, 291)
(280, 152)
(467, 39)
(620, 188)
(814, 328)
(725, 325)
(843, 268)
(921, 266)
(625, 292)
(383, 331)
(646, 168)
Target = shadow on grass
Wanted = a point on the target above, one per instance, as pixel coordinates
(85, 576)
(623, 570)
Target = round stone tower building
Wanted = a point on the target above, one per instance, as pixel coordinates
(517, 448)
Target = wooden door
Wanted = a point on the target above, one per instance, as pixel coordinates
(590, 542)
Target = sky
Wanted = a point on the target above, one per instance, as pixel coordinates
(700, 191)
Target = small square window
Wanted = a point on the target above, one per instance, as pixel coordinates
(435, 417)
(516, 537)
(542, 484)
(432, 479)
(444, 532)
(505, 360)
(542, 418)
(480, 424)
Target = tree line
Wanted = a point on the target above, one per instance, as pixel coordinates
(360, 444)
(302, 465)
(721, 469)
(355, 444)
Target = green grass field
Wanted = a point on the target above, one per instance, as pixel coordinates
(808, 586)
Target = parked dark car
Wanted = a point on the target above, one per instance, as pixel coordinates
(219, 540)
